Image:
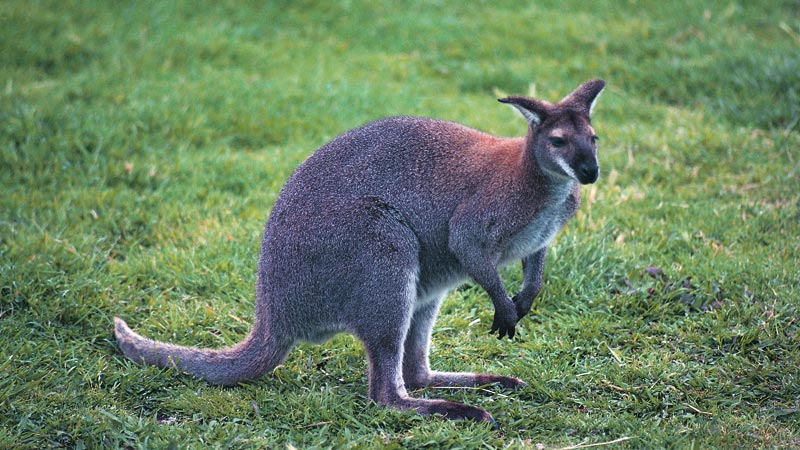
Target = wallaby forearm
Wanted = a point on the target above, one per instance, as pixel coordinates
(532, 272)
(476, 251)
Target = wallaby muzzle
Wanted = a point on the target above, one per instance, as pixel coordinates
(587, 172)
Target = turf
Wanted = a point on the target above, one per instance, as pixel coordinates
(142, 145)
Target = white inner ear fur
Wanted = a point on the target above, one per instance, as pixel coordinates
(594, 102)
(529, 115)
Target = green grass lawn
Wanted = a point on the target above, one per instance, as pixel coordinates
(142, 145)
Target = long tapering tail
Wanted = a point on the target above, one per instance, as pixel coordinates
(258, 353)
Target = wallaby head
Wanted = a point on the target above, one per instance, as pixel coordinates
(560, 136)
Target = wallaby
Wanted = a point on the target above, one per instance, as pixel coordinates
(372, 230)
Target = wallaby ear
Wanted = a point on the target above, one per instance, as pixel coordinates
(585, 96)
(534, 111)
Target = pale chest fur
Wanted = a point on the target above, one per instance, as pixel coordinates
(544, 225)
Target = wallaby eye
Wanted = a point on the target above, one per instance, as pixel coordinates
(594, 139)
(557, 142)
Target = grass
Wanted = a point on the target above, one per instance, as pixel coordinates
(142, 145)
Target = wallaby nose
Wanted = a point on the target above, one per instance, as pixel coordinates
(588, 173)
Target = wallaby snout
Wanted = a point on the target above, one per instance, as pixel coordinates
(588, 172)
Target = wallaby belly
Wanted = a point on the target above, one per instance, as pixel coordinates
(434, 282)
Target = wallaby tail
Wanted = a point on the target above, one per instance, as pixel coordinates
(258, 353)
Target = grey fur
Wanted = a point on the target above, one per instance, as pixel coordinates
(371, 231)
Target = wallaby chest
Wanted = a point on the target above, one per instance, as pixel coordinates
(544, 223)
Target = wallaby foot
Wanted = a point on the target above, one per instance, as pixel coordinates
(416, 368)
(436, 378)
(384, 347)
(386, 389)
(448, 410)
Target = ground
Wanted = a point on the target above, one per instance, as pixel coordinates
(142, 145)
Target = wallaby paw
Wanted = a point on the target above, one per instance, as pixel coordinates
(504, 322)
(522, 304)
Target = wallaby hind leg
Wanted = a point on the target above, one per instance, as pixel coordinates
(382, 294)
(416, 367)
(384, 347)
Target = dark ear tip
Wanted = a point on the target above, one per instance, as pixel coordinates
(599, 82)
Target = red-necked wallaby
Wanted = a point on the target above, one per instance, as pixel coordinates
(373, 229)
